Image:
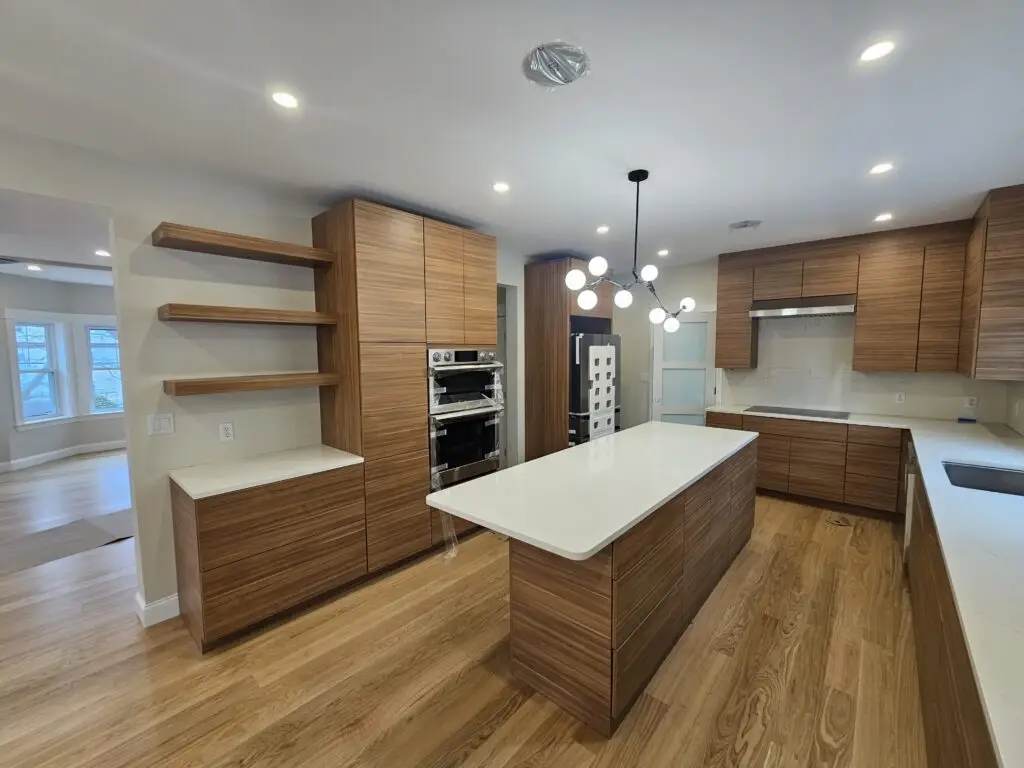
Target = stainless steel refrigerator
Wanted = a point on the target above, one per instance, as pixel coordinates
(594, 395)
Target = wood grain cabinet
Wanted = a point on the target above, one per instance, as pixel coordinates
(888, 308)
(444, 278)
(955, 726)
(394, 399)
(830, 275)
(817, 469)
(480, 283)
(723, 420)
(938, 340)
(397, 516)
(781, 280)
(248, 555)
(873, 467)
(735, 332)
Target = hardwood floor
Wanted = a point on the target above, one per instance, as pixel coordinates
(803, 656)
(61, 492)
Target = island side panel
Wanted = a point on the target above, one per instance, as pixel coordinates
(561, 629)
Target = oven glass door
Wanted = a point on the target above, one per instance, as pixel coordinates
(461, 389)
(465, 446)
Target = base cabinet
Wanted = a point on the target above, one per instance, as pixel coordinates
(955, 727)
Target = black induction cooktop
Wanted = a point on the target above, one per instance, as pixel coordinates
(798, 411)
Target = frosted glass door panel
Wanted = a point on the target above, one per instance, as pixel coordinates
(689, 344)
(697, 419)
(683, 387)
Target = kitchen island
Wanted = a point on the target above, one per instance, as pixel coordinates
(615, 545)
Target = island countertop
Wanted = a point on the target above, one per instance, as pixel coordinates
(575, 502)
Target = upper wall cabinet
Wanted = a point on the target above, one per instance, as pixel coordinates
(781, 280)
(389, 274)
(446, 299)
(992, 339)
(480, 284)
(941, 290)
(830, 275)
(888, 308)
(735, 332)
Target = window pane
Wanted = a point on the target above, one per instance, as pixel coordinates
(33, 358)
(38, 395)
(103, 336)
(106, 391)
(30, 333)
(106, 357)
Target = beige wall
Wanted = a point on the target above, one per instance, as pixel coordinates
(1015, 400)
(17, 447)
(698, 280)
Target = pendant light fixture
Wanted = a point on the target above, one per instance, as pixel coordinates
(576, 279)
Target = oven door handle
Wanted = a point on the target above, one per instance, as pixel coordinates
(474, 413)
(441, 369)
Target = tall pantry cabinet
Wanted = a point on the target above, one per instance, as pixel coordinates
(404, 282)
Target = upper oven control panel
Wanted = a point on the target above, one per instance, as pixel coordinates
(441, 357)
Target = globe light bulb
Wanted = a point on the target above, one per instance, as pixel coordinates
(598, 266)
(587, 299)
(657, 316)
(623, 298)
(687, 304)
(671, 325)
(575, 279)
(649, 273)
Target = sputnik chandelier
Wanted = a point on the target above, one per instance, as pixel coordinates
(576, 279)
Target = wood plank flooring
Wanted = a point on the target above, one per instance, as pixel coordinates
(803, 656)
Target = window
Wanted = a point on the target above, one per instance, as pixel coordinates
(37, 370)
(106, 394)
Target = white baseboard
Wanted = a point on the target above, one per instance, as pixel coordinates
(63, 453)
(159, 610)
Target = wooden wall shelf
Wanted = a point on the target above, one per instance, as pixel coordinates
(220, 385)
(206, 313)
(184, 238)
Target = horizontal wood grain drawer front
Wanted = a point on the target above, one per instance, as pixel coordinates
(640, 541)
(712, 484)
(873, 461)
(808, 430)
(742, 460)
(638, 658)
(637, 592)
(723, 420)
(242, 593)
(885, 436)
(773, 462)
(237, 525)
(871, 492)
(397, 516)
(817, 469)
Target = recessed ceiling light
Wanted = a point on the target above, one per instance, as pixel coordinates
(878, 50)
(883, 217)
(103, 253)
(663, 252)
(285, 99)
(34, 268)
(881, 168)
(500, 186)
(602, 230)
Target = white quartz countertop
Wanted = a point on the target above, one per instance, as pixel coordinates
(575, 502)
(205, 480)
(982, 540)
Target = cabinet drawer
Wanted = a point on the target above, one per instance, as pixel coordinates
(630, 549)
(244, 592)
(773, 462)
(817, 430)
(397, 516)
(723, 420)
(884, 436)
(873, 461)
(871, 492)
(742, 518)
(714, 483)
(637, 592)
(638, 658)
(766, 425)
(237, 525)
(817, 469)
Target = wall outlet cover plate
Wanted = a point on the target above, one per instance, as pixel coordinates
(161, 424)
(227, 431)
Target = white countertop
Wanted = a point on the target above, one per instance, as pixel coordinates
(982, 540)
(205, 480)
(575, 502)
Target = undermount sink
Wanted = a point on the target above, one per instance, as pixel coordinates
(994, 479)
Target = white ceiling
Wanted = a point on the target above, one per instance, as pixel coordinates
(739, 108)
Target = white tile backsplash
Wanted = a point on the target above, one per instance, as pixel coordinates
(806, 362)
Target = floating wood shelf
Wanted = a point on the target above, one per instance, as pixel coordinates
(216, 386)
(184, 238)
(205, 313)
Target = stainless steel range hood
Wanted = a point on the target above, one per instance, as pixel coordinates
(814, 306)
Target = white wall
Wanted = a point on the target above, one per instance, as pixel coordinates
(806, 362)
(699, 281)
(19, 446)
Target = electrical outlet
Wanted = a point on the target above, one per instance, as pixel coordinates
(227, 431)
(901, 397)
(161, 424)
(971, 402)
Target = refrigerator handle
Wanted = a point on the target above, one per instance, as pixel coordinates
(578, 337)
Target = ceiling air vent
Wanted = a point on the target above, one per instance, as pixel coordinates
(738, 226)
(555, 64)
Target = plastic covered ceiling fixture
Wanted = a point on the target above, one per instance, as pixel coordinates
(552, 65)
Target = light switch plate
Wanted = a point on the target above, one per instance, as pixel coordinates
(901, 397)
(227, 431)
(161, 424)
(971, 402)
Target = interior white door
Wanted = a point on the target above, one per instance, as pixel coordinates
(684, 369)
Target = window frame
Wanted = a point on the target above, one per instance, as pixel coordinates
(86, 376)
(51, 330)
